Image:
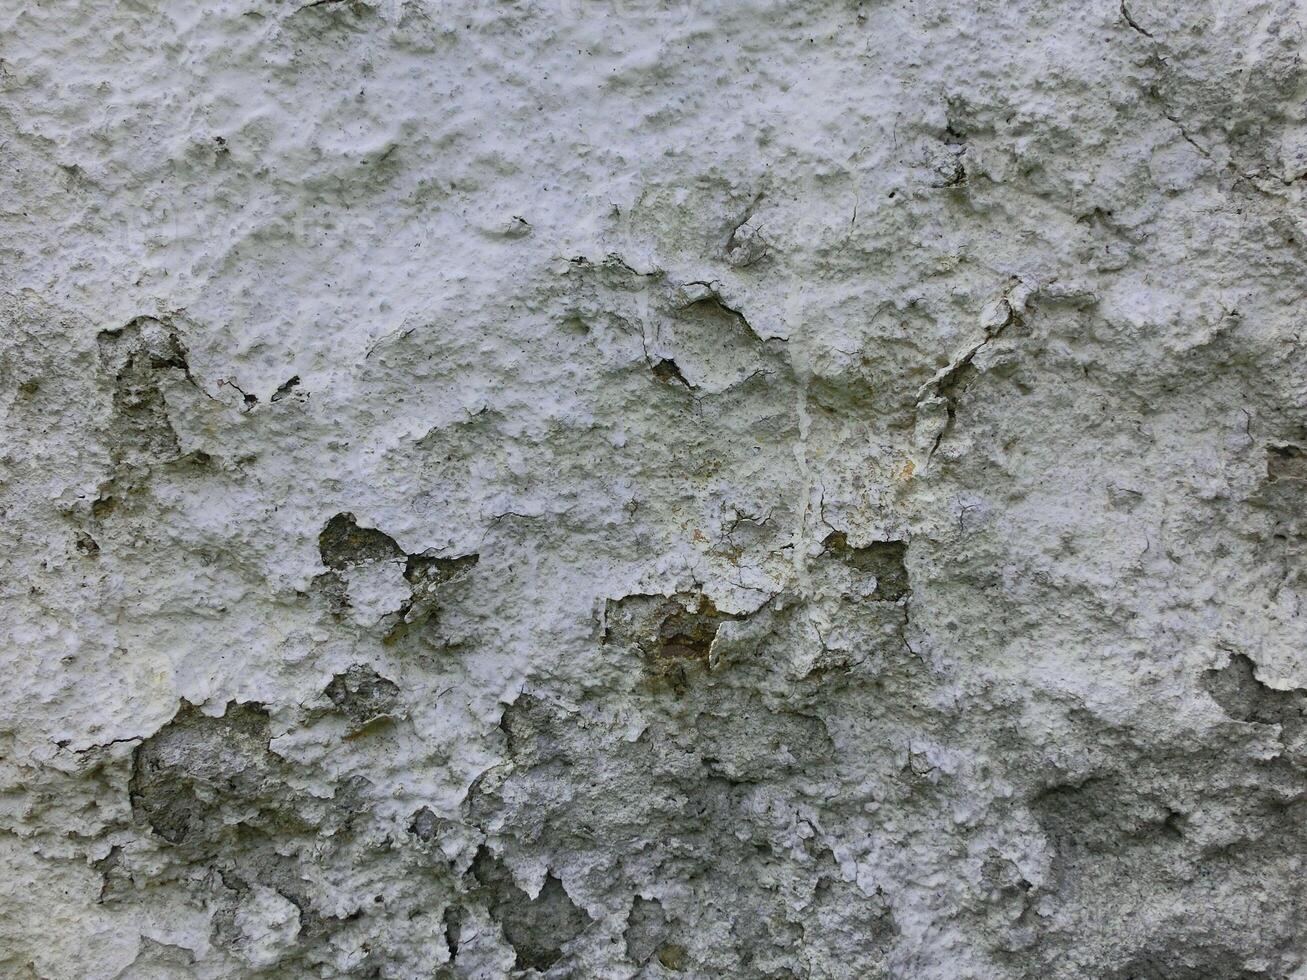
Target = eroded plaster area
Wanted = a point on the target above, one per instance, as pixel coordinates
(565, 488)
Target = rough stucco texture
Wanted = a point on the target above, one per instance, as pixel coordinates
(703, 489)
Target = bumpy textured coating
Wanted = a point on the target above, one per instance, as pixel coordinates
(617, 488)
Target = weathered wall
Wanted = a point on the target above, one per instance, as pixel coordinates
(717, 489)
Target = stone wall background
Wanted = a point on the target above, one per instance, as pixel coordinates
(614, 489)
